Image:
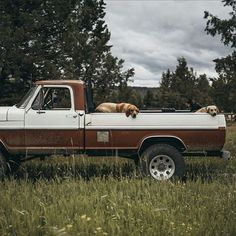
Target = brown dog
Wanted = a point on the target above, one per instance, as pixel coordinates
(127, 108)
(212, 110)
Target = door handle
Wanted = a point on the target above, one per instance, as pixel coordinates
(71, 116)
(41, 112)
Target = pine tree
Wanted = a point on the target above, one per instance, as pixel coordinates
(177, 87)
(226, 67)
(149, 99)
(203, 90)
(56, 39)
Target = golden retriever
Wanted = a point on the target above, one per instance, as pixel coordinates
(127, 108)
(212, 110)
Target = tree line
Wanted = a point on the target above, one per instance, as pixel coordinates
(178, 86)
(57, 39)
(69, 39)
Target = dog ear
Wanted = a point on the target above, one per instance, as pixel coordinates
(128, 111)
(136, 109)
(217, 110)
(207, 109)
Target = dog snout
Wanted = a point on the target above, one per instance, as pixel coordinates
(134, 114)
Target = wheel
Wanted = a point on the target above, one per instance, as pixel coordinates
(3, 166)
(162, 162)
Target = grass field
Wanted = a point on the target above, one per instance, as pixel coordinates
(105, 196)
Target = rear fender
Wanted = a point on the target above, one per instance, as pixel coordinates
(170, 140)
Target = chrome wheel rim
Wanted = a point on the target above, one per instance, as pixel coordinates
(162, 167)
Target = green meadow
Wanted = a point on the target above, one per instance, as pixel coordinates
(107, 196)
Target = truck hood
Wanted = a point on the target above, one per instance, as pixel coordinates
(3, 113)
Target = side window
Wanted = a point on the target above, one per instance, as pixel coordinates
(52, 99)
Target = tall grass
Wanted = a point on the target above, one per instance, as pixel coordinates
(111, 207)
(231, 140)
(107, 196)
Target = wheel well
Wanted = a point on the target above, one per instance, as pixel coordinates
(173, 141)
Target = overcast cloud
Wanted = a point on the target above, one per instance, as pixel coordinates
(151, 35)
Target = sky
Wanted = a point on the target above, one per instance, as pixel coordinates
(150, 35)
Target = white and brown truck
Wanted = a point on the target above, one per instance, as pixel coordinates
(54, 118)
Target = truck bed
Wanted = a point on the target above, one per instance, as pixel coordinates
(197, 131)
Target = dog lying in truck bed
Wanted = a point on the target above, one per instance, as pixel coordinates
(212, 110)
(127, 108)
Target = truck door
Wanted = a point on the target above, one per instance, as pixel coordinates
(51, 123)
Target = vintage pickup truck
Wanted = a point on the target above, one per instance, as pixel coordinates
(55, 118)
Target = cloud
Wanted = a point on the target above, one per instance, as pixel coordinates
(151, 35)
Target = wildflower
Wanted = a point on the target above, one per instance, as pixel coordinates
(83, 217)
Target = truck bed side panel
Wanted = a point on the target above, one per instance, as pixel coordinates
(196, 131)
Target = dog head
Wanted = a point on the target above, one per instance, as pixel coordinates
(212, 110)
(132, 110)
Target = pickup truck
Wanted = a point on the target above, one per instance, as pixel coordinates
(54, 117)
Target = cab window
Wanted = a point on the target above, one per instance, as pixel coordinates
(52, 99)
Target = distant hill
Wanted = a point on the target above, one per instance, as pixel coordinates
(143, 90)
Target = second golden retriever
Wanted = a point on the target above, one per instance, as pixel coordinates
(212, 110)
(127, 108)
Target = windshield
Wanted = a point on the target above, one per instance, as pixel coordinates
(25, 100)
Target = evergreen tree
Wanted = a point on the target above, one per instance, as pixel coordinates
(177, 87)
(183, 79)
(135, 98)
(56, 39)
(166, 80)
(225, 84)
(203, 90)
(149, 99)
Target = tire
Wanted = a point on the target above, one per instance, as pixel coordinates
(3, 166)
(162, 162)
